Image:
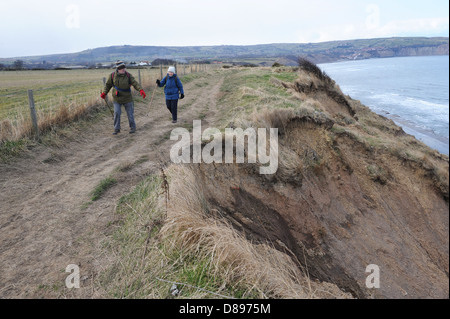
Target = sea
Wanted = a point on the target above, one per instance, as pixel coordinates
(412, 91)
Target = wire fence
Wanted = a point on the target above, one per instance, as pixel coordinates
(61, 96)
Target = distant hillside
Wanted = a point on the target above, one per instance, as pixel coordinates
(317, 52)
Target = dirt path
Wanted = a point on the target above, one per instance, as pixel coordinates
(47, 220)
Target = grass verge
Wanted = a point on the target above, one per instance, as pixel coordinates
(148, 264)
(157, 245)
(11, 149)
(102, 187)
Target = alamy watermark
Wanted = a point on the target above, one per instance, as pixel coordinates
(373, 279)
(257, 149)
(73, 280)
(73, 16)
(373, 17)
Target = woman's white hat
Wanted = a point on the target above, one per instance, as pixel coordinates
(171, 69)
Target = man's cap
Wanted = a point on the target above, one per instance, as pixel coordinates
(120, 65)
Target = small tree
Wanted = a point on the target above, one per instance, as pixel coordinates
(18, 65)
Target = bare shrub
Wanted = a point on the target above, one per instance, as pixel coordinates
(310, 67)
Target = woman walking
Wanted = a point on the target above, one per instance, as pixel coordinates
(173, 88)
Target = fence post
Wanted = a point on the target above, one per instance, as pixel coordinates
(104, 83)
(160, 68)
(33, 114)
(139, 76)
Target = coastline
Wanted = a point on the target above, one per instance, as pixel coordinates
(395, 89)
(439, 143)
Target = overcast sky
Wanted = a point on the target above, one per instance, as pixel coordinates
(46, 26)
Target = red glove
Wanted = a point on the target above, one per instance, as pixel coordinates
(103, 95)
(142, 94)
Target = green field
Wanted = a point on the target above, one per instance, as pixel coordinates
(53, 88)
(60, 96)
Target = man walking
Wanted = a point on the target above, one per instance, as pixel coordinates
(121, 81)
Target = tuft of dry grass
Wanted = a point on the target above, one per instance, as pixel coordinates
(309, 67)
(190, 227)
(155, 246)
(314, 83)
(56, 115)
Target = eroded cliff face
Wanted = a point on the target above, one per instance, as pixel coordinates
(352, 190)
(337, 218)
(345, 52)
(403, 52)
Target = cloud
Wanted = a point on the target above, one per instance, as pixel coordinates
(395, 28)
(50, 26)
(416, 26)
